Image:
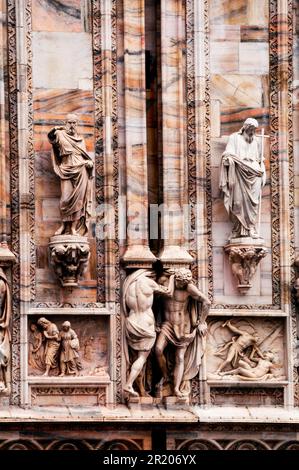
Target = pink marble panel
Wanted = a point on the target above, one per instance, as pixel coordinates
(62, 15)
(224, 59)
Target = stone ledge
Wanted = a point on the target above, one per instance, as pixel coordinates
(157, 414)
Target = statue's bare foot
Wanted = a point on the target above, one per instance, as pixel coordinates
(145, 394)
(60, 230)
(45, 374)
(178, 393)
(61, 375)
(130, 390)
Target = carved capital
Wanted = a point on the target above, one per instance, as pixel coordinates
(69, 255)
(244, 259)
(138, 256)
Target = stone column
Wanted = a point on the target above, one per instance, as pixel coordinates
(5, 254)
(137, 253)
(174, 153)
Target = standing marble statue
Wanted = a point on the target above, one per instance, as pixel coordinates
(5, 316)
(69, 356)
(74, 167)
(140, 334)
(242, 176)
(52, 339)
(184, 326)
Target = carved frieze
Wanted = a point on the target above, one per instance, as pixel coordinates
(76, 347)
(246, 350)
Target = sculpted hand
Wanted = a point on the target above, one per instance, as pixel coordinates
(89, 164)
(203, 328)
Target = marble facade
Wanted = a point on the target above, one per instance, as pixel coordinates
(158, 87)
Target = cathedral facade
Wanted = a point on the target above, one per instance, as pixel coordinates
(149, 224)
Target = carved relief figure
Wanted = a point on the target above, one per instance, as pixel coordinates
(183, 326)
(263, 369)
(5, 316)
(69, 356)
(52, 338)
(236, 348)
(74, 167)
(36, 348)
(138, 296)
(242, 176)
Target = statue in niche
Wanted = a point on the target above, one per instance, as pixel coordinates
(5, 316)
(51, 334)
(242, 176)
(140, 335)
(262, 369)
(69, 355)
(237, 347)
(74, 167)
(36, 348)
(184, 326)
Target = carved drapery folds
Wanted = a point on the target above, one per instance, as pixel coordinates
(5, 333)
(69, 248)
(242, 176)
(173, 333)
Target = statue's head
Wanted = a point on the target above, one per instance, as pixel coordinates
(256, 337)
(183, 277)
(248, 129)
(43, 322)
(269, 355)
(66, 326)
(33, 327)
(71, 124)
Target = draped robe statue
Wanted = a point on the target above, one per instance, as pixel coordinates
(5, 316)
(184, 327)
(140, 333)
(74, 167)
(242, 176)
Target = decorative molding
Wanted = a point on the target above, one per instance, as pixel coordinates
(72, 444)
(100, 392)
(14, 187)
(274, 394)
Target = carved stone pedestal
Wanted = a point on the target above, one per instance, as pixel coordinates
(69, 255)
(244, 254)
(172, 401)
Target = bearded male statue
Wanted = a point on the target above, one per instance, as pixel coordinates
(242, 176)
(74, 167)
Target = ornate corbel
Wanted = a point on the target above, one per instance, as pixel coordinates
(244, 260)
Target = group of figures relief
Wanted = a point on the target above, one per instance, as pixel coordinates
(245, 356)
(50, 348)
(174, 336)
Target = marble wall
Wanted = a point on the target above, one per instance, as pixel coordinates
(239, 64)
(62, 83)
(296, 118)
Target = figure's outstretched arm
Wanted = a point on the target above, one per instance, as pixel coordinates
(196, 294)
(166, 291)
(233, 328)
